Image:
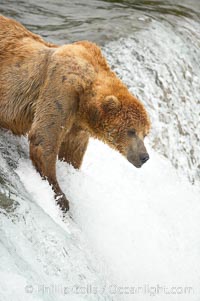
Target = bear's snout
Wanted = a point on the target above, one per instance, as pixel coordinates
(138, 161)
(137, 153)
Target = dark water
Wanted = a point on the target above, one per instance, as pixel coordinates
(100, 21)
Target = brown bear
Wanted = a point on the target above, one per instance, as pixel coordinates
(62, 95)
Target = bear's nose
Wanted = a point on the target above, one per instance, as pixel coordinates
(144, 158)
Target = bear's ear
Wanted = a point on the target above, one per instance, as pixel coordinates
(111, 104)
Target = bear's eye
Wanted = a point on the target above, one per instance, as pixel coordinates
(131, 133)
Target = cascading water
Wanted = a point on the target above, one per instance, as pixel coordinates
(135, 233)
(161, 65)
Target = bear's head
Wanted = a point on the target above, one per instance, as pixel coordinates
(121, 121)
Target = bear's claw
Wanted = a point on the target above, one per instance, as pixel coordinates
(63, 203)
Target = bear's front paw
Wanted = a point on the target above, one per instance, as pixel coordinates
(62, 201)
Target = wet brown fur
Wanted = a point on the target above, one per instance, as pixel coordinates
(61, 95)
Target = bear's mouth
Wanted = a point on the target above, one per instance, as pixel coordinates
(136, 164)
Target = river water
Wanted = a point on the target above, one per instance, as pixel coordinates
(152, 235)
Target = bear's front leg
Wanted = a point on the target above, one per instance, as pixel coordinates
(43, 153)
(55, 111)
(53, 117)
(73, 146)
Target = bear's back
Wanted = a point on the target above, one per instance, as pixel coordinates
(12, 34)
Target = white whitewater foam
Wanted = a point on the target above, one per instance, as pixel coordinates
(142, 225)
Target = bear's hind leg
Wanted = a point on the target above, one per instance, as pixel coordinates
(74, 145)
